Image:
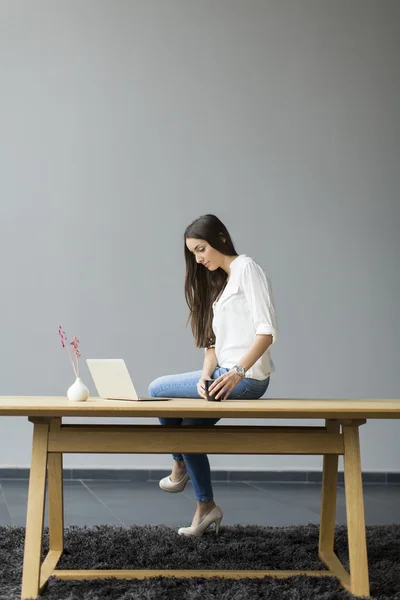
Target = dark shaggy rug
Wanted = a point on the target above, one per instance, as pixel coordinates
(237, 547)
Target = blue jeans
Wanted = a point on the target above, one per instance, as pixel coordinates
(184, 385)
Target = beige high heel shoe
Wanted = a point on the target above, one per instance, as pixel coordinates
(171, 486)
(215, 516)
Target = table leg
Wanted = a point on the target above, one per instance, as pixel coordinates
(328, 512)
(55, 495)
(359, 580)
(56, 509)
(328, 495)
(35, 512)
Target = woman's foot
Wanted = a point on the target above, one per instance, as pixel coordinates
(202, 522)
(178, 471)
(202, 510)
(178, 479)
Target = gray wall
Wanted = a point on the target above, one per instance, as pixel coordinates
(121, 121)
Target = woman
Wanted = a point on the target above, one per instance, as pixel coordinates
(232, 316)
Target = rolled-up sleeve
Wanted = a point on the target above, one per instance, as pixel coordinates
(258, 293)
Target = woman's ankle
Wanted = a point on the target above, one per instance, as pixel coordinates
(179, 466)
(205, 507)
(178, 470)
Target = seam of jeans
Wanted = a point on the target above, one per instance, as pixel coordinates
(251, 387)
(172, 385)
(242, 394)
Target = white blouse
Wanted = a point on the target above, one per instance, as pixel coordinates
(244, 309)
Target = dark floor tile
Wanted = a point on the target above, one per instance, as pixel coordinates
(309, 496)
(80, 506)
(378, 514)
(16, 495)
(374, 477)
(267, 476)
(393, 478)
(140, 503)
(368, 477)
(382, 504)
(304, 496)
(14, 473)
(385, 493)
(316, 477)
(111, 474)
(244, 504)
(23, 473)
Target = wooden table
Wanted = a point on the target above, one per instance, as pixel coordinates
(339, 436)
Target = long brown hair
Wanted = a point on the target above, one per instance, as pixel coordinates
(202, 287)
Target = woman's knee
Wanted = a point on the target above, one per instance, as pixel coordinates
(181, 385)
(155, 387)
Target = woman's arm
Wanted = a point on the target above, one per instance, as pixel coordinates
(210, 363)
(256, 350)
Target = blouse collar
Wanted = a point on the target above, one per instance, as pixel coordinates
(237, 261)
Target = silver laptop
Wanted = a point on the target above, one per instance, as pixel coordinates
(112, 379)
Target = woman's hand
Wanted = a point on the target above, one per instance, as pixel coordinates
(201, 388)
(223, 386)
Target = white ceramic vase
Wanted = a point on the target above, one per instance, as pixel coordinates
(78, 391)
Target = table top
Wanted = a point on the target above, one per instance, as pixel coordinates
(276, 408)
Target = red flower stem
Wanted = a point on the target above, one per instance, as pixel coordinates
(72, 362)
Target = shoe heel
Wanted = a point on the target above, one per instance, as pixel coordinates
(217, 524)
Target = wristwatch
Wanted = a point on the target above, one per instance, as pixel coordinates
(239, 370)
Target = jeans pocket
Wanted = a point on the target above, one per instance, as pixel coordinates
(254, 389)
